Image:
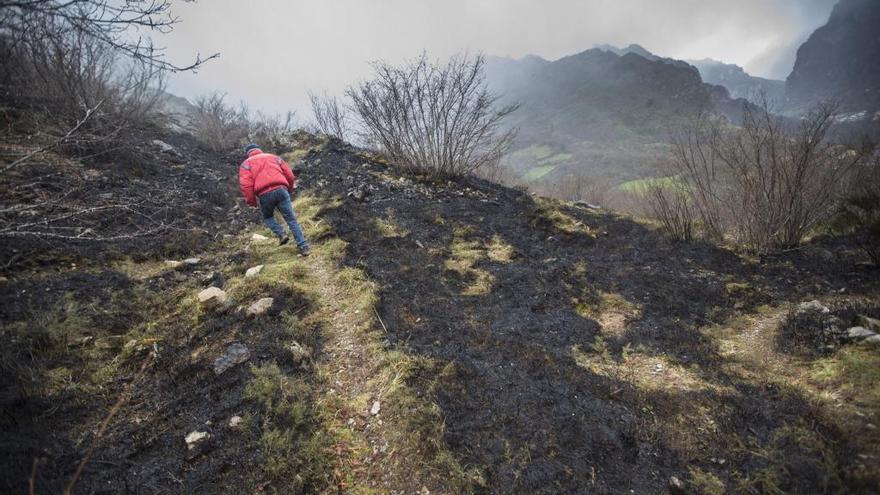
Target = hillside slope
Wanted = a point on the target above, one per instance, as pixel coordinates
(840, 60)
(599, 113)
(443, 338)
(739, 83)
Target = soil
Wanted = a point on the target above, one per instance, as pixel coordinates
(516, 404)
(505, 335)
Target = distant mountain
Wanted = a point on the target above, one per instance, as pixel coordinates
(841, 60)
(641, 51)
(603, 112)
(633, 48)
(738, 82)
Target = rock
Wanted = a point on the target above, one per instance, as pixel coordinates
(260, 306)
(299, 355)
(192, 261)
(235, 354)
(212, 297)
(165, 147)
(374, 410)
(194, 437)
(253, 271)
(235, 421)
(172, 263)
(872, 324)
(675, 485)
(859, 333)
(873, 340)
(213, 278)
(259, 238)
(813, 305)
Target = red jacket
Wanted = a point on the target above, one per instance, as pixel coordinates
(261, 173)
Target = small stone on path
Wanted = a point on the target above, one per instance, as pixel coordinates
(376, 408)
(235, 354)
(212, 297)
(235, 421)
(194, 437)
(253, 271)
(259, 238)
(859, 333)
(813, 305)
(260, 306)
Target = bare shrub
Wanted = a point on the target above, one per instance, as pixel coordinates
(121, 26)
(768, 184)
(70, 74)
(219, 126)
(331, 117)
(63, 60)
(216, 125)
(433, 118)
(859, 213)
(578, 187)
(270, 130)
(673, 209)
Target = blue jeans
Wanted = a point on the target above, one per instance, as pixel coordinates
(280, 199)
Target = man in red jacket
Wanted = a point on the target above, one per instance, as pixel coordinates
(267, 178)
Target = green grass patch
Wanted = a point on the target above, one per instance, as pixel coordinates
(537, 172)
(640, 187)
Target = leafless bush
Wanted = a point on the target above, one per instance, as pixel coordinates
(859, 213)
(431, 117)
(674, 210)
(578, 187)
(219, 126)
(331, 117)
(270, 130)
(69, 74)
(216, 125)
(767, 184)
(122, 26)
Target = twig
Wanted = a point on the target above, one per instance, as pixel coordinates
(32, 481)
(55, 143)
(380, 319)
(104, 424)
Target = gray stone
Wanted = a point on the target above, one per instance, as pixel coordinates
(235, 421)
(873, 340)
(162, 145)
(374, 410)
(813, 305)
(675, 485)
(859, 333)
(872, 324)
(192, 261)
(260, 306)
(259, 238)
(173, 263)
(212, 297)
(235, 354)
(253, 271)
(194, 437)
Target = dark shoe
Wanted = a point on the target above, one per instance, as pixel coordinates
(284, 240)
(305, 250)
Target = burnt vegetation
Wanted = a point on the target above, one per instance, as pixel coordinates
(449, 334)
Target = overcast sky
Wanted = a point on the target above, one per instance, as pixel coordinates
(274, 51)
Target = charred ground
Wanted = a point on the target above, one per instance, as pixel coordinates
(525, 346)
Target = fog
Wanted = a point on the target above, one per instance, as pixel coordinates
(274, 51)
